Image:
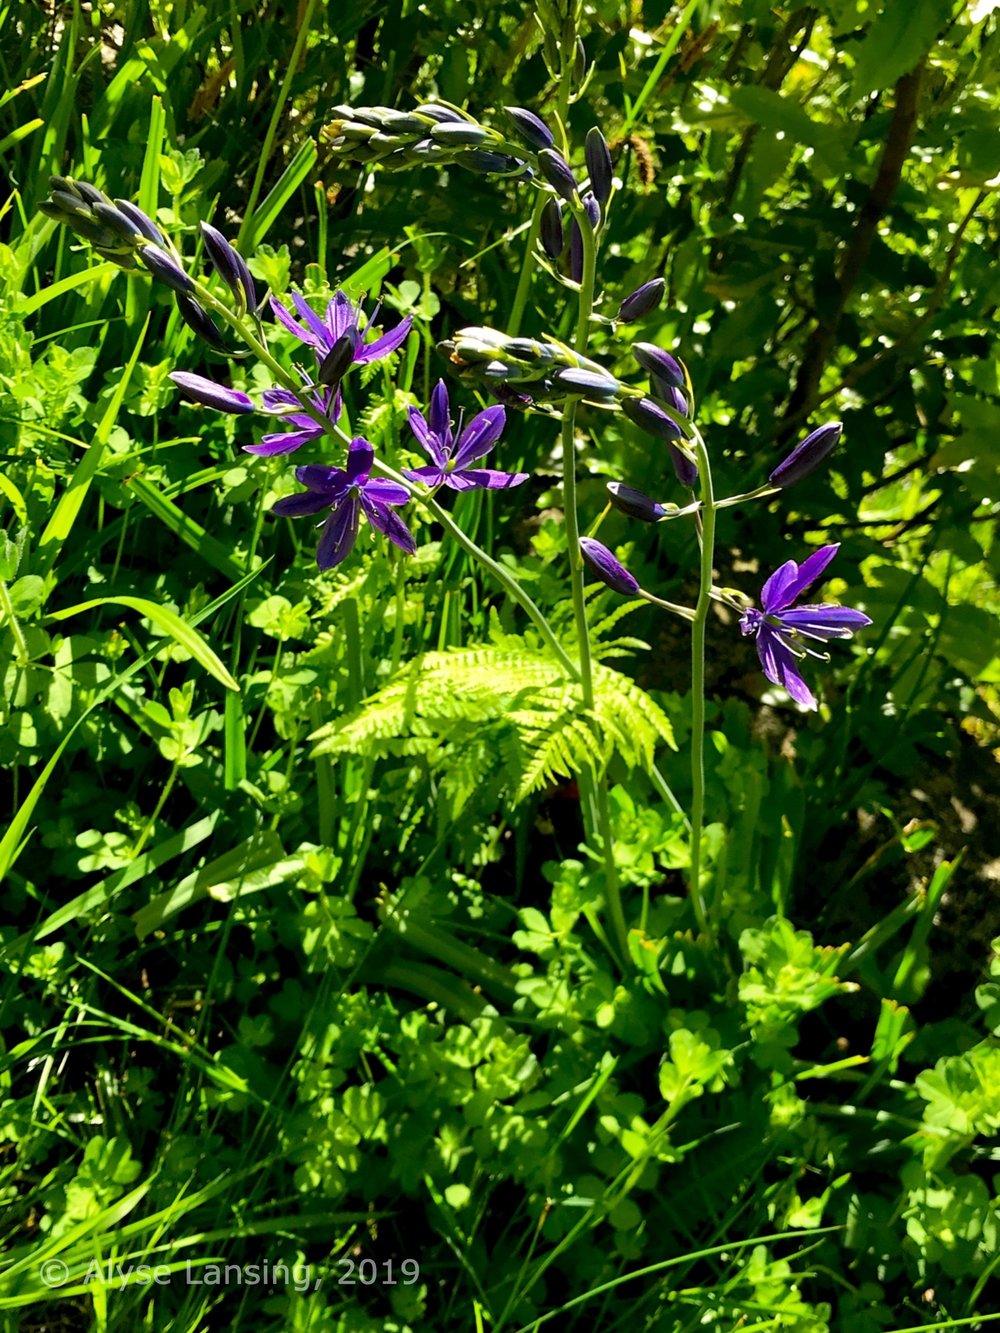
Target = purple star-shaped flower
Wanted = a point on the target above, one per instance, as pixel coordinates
(451, 457)
(286, 405)
(337, 337)
(781, 627)
(348, 493)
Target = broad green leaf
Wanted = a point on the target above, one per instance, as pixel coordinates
(898, 37)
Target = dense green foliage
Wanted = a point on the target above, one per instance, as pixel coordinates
(302, 957)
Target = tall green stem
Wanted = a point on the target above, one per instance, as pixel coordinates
(698, 628)
(593, 790)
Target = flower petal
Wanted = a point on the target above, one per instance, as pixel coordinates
(284, 443)
(303, 502)
(386, 492)
(321, 336)
(340, 316)
(483, 479)
(360, 457)
(428, 476)
(791, 580)
(382, 519)
(385, 345)
(825, 621)
(437, 416)
(430, 440)
(479, 436)
(339, 533)
(292, 325)
(320, 477)
(781, 667)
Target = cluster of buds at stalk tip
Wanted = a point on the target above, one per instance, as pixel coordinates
(121, 232)
(433, 133)
(523, 371)
(663, 413)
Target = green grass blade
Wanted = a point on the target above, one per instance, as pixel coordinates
(170, 623)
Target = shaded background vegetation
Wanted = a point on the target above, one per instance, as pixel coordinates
(256, 1002)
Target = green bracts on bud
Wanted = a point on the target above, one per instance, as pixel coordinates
(432, 133)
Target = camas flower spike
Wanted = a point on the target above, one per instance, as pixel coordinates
(780, 627)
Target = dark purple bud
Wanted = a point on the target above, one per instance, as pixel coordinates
(650, 418)
(634, 503)
(589, 382)
(607, 568)
(642, 300)
(230, 266)
(807, 456)
(555, 169)
(198, 319)
(666, 393)
(210, 394)
(490, 163)
(599, 168)
(116, 220)
(90, 193)
(656, 361)
(334, 365)
(435, 111)
(145, 224)
(576, 239)
(533, 131)
(575, 252)
(553, 237)
(166, 269)
(460, 134)
(685, 468)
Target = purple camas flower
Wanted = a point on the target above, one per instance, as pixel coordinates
(451, 456)
(338, 337)
(348, 493)
(780, 627)
(304, 428)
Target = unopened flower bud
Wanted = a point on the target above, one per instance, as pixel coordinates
(685, 468)
(334, 365)
(667, 394)
(655, 361)
(552, 236)
(607, 567)
(162, 266)
(634, 503)
(651, 418)
(555, 169)
(196, 317)
(459, 134)
(588, 382)
(210, 394)
(531, 128)
(145, 223)
(643, 300)
(599, 168)
(230, 266)
(807, 456)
